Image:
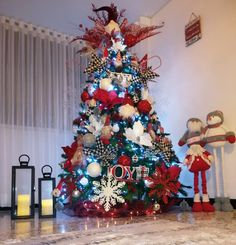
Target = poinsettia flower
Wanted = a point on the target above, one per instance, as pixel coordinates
(95, 126)
(164, 182)
(108, 99)
(70, 150)
(68, 166)
(137, 135)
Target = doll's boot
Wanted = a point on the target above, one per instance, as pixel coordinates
(206, 206)
(226, 205)
(197, 205)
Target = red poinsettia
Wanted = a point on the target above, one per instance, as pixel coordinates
(70, 150)
(108, 99)
(164, 182)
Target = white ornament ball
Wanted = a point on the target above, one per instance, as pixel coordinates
(94, 169)
(105, 84)
(127, 111)
(116, 128)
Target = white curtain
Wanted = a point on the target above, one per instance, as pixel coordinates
(40, 86)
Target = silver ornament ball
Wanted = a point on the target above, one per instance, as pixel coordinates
(76, 193)
(135, 158)
(156, 206)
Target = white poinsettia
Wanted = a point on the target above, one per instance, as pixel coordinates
(137, 135)
(95, 126)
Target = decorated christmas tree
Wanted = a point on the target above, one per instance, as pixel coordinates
(121, 161)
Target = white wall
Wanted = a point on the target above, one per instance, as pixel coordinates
(200, 78)
(65, 15)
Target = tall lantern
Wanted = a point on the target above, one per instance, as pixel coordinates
(46, 200)
(22, 191)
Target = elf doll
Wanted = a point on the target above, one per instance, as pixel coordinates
(198, 160)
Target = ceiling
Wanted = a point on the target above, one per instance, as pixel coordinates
(66, 15)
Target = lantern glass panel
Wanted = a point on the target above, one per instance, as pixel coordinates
(23, 192)
(46, 197)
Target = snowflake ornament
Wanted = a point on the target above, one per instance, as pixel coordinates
(108, 192)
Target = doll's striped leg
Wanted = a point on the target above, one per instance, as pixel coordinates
(206, 206)
(197, 205)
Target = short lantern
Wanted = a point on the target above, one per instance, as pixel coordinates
(46, 200)
(22, 190)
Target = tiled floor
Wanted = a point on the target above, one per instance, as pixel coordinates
(175, 227)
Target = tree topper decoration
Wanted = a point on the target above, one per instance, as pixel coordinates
(108, 21)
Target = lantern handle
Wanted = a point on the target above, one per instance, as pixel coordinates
(46, 174)
(24, 162)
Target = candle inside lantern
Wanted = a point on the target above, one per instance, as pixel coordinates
(47, 206)
(23, 205)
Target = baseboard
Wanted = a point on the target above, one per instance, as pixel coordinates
(9, 208)
(189, 200)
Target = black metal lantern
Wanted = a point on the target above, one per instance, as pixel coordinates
(46, 200)
(22, 191)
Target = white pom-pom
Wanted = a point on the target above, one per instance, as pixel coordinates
(116, 128)
(127, 111)
(105, 84)
(94, 169)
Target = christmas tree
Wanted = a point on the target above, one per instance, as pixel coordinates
(121, 161)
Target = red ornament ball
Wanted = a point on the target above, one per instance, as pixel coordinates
(85, 96)
(124, 160)
(144, 106)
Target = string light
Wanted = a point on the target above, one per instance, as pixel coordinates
(84, 181)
